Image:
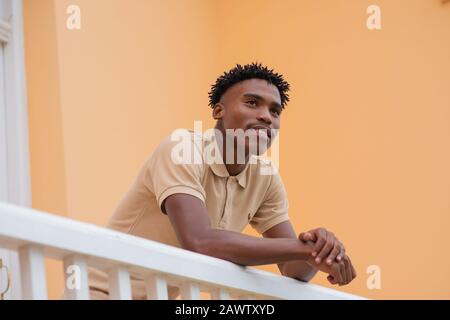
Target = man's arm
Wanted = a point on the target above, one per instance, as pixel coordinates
(297, 269)
(190, 220)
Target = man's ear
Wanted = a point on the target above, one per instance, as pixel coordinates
(218, 111)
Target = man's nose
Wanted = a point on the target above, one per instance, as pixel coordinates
(264, 115)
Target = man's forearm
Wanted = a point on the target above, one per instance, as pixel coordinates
(299, 269)
(250, 251)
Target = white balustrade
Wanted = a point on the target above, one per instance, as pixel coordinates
(35, 235)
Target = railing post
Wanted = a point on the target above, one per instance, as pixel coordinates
(32, 273)
(75, 268)
(119, 284)
(190, 291)
(220, 294)
(156, 287)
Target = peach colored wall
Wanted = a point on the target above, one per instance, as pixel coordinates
(364, 141)
(47, 159)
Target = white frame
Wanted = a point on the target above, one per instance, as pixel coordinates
(14, 164)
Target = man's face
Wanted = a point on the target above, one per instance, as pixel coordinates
(251, 104)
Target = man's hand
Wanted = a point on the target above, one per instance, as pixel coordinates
(340, 273)
(347, 270)
(326, 245)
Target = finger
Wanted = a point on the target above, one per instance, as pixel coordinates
(353, 268)
(312, 235)
(348, 270)
(341, 254)
(344, 273)
(331, 279)
(329, 244)
(321, 240)
(334, 253)
(305, 236)
(338, 274)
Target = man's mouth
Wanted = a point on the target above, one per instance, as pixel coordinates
(263, 130)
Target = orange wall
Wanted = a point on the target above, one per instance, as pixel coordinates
(364, 141)
(47, 159)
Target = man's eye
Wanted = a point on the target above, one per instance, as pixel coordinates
(252, 102)
(276, 111)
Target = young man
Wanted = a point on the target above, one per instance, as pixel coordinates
(203, 206)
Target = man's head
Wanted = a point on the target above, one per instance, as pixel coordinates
(249, 97)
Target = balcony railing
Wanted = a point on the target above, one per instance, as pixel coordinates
(35, 235)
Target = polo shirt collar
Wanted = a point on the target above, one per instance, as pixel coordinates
(220, 170)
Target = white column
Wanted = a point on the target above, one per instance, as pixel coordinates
(190, 291)
(220, 294)
(119, 284)
(32, 272)
(156, 287)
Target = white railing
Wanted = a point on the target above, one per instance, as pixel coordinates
(36, 235)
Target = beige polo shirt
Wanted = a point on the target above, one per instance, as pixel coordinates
(232, 202)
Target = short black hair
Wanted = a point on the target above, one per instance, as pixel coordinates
(249, 71)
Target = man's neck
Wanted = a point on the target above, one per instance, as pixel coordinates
(233, 168)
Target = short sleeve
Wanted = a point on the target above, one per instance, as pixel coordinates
(166, 174)
(274, 208)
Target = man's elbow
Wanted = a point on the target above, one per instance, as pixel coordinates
(300, 274)
(192, 245)
(302, 277)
